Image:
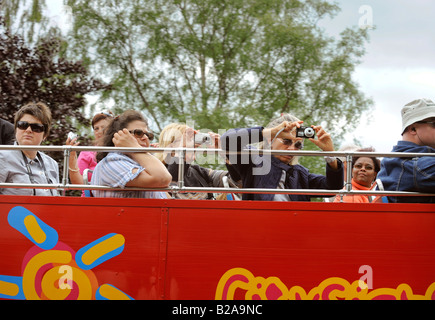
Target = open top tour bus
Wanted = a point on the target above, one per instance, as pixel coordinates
(103, 248)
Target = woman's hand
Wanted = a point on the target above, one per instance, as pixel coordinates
(74, 172)
(72, 142)
(124, 139)
(73, 154)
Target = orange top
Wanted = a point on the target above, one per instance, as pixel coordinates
(357, 197)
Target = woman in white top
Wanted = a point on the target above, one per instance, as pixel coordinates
(134, 169)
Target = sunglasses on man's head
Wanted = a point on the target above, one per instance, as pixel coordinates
(289, 142)
(36, 127)
(139, 133)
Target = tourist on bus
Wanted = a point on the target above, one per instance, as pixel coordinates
(7, 132)
(130, 169)
(32, 126)
(280, 171)
(416, 174)
(87, 159)
(176, 135)
(364, 171)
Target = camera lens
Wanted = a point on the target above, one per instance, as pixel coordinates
(309, 132)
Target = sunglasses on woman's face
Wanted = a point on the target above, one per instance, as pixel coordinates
(36, 127)
(139, 133)
(289, 142)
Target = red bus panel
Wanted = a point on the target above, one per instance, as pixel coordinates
(90, 248)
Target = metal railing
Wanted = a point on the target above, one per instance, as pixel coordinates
(180, 187)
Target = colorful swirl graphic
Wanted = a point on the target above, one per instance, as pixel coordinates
(51, 270)
(334, 288)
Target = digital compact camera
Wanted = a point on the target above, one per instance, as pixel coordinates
(201, 138)
(72, 135)
(305, 132)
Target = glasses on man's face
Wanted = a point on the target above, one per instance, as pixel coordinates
(289, 142)
(432, 123)
(139, 133)
(36, 127)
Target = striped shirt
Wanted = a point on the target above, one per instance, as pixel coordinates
(115, 171)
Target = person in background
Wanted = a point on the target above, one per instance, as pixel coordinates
(364, 172)
(7, 132)
(87, 159)
(32, 126)
(348, 147)
(415, 174)
(177, 135)
(280, 171)
(134, 169)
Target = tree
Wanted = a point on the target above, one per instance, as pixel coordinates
(28, 18)
(223, 63)
(40, 74)
(220, 63)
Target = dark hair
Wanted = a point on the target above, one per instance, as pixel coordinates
(40, 111)
(100, 116)
(376, 161)
(118, 123)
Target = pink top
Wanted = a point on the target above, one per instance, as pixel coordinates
(87, 160)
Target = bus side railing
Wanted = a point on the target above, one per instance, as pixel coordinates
(181, 188)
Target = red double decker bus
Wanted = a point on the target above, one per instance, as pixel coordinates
(102, 248)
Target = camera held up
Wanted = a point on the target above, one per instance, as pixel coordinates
(72, 135)
(305, 132)
(201, 138)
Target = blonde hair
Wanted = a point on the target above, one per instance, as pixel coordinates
(275, 122)
(169, 134)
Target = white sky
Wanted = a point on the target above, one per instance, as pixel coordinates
(399, 65)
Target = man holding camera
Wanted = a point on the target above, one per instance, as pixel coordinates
(413, 174)
(276, 171)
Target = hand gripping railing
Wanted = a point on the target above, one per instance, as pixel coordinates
(180, 187)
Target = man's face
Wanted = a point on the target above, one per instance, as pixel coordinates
(426, 131)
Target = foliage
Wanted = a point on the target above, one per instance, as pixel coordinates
(220, 63)
(38, 74)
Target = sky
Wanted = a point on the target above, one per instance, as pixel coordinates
(399, 64)
(398, 67)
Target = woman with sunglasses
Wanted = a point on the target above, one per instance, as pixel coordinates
(32, 126)
(280, 171)
(133, 169)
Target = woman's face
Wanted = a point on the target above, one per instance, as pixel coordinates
(185, 140)
(140, 127)
(363, 171)
(99, 127)
(28, 136)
